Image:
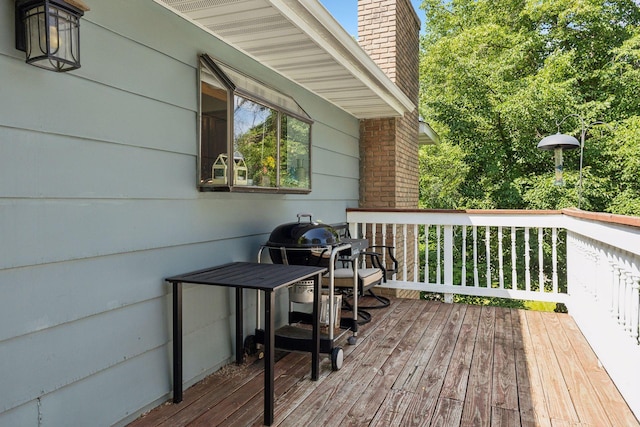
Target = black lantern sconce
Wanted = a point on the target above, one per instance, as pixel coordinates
(48, 31)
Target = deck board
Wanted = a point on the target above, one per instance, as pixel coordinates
(455, 383)
(504, 394)
(423, 363)
(477, 403)
(533, 407)
(556, 391)
(430, 383)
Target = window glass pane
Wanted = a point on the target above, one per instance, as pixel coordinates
(255, 128)
(294, 153)
(213, 128)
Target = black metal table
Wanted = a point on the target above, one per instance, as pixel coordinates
(239, 275)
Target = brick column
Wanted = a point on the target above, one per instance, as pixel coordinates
(388, 30)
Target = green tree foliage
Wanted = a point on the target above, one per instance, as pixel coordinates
(442, 172)
(498, 75)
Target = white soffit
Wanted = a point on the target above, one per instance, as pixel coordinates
(303, 42)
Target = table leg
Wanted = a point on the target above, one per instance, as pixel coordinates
(315, 333)
(239, 327)
(269, 355)
(177, 342)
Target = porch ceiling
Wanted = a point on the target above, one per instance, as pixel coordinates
(303, 42)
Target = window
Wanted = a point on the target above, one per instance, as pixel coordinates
(267, 132)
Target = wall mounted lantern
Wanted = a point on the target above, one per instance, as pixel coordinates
(561, 141)
(48, 31)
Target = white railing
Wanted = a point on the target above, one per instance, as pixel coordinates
(510, 254)
(590, 262)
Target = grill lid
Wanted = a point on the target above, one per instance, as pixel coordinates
(303, 234)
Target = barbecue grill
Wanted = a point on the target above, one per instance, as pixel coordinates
(314, 244)
(303, 243)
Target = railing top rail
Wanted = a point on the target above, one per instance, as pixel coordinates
(496, 217)
(631, 221)
(601, 217)
(462, 211)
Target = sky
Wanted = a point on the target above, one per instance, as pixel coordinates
(346, 13)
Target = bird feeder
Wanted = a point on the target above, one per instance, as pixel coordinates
(557, 143)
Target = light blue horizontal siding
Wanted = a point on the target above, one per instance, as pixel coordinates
(41, 297)
(64, 105)
(98, 204)
(54, 174)
(71, 352)
(115, 401)
(60, 230)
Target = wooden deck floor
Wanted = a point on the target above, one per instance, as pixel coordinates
(424, 363)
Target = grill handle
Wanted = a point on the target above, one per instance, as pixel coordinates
(301, 215)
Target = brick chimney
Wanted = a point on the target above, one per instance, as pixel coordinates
(388, 30)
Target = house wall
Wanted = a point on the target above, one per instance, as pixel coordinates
(98, 203)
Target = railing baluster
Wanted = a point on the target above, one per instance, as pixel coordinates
(615, 287)
(438, 255)
(619, 290)
(476, 281)
(395, 243)
(426, 253)
(540, 259)
(415, 252)
(594, 270)
(404, 252)
(448, 255)
(500, 259)
(554, 259)
(463, 273)
(514, 273)
(635, 300)
(628, 298)
(487, 237)
(527, 260)
(623, 293)
(383, 233)
(366, 234)
(372, 232)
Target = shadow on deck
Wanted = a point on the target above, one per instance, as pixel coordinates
(423, 363)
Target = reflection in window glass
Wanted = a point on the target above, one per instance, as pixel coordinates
(255, 128)
(294, 153)
(213, 129)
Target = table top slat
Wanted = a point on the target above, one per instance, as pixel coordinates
(252, 275)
